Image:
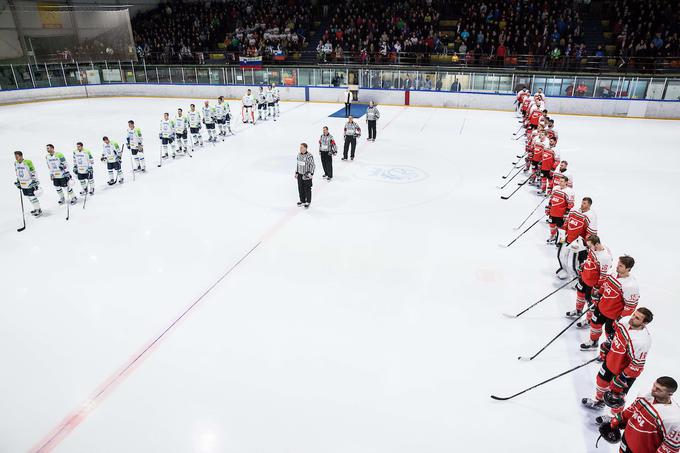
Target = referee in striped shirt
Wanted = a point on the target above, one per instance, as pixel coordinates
(303, 173)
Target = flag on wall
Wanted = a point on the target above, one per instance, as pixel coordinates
(251, 62)
(50, 16)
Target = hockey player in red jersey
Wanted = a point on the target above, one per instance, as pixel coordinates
(538, 146)
(561, 202)
(618, 297)
(623, 360)
(650, 425)
(595, 269)
(549, 162)
(573, 251)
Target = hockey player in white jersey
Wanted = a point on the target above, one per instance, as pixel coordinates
(112, 155)
(247, 113)
(209, 121)
(261, 105)
(181, 129)
(220, 117)
(135, 145)
(276, 95)
(83, 167)
(270, 102)
(227, 116)
(61, 177)
(195, 122)
(167, 135)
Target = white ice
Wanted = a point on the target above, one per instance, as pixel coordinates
(369, 323)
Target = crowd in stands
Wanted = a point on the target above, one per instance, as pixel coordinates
(547, 33)
(178, 31)
(646, 28)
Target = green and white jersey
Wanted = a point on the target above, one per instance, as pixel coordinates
(82, 161)
(25, 171)
(181, 124)
(111, 152)
(167, 128)
(134, 138)
(208, 115)
(227, 109)
(194, 118)
(57, 165)
(219, 111)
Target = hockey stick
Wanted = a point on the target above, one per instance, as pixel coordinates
(510, 180)
(540, 300)
(23, 212)
(132, 164)
(527, 359)
(87, 189)
(521, 234)
(67, 202)
(520, 184)
(520, 128)
(530, 214)
(518, 137)
(505, 398)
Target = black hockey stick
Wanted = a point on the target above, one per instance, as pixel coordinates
(505, 398)
(540, 300)
(160, 161)
(520, 184)
(510, 180)
(23, 213)
(521, 234)
(520, 128)
(526, 359)
(68, 209)
(530, 214)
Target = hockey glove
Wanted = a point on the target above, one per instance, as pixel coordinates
(160, 136)
(613, 399)
(604, 349)
(103, 158)
(16, 183)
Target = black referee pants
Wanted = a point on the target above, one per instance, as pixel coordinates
(327, 163)
(304, 189)
(349, 141)
(371, 129)
(348, 109)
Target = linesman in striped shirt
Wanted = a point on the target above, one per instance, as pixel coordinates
(304, 171)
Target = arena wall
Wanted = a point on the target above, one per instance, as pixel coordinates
(485, 101)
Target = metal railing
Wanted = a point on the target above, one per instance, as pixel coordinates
(485, 80)
(445, 58)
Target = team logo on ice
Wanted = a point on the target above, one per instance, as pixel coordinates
(393, 174)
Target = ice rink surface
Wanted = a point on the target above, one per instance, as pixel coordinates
(197, 309)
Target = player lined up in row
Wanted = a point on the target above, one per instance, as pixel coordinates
(606, 293)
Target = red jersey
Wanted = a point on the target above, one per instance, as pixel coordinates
(628, 351)
(535, 117)
(580, 224)
(596, 267)
(552, 134)
(551, 159)
(561, 201)
(526, 103)
(619, 296)
(651, 427)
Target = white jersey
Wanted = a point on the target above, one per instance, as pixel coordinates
(208, 115)
(167, 128)
(275, 94)
(111, 152)
(227, 109)
(247, 100)
(261, 98)
(57, 165)
(83, 161)
(181, 124)
(269, 96)
(194, 118)
(220, 113)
